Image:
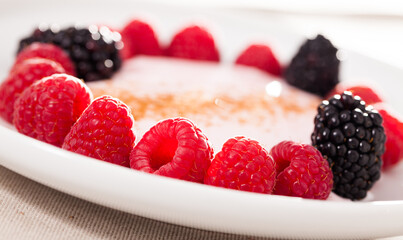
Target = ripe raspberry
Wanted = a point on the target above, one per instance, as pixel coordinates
(260, 56)
(139, 38)
(22, 77)
(366, 93)
(48, 108)
(104, 131)
(301, 171)
(47, 51)
(242, 164)
(174, 148)
(195, 43)
(393, 126)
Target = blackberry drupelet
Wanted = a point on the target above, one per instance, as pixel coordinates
(351, 137)
(315, 67)
(94, 50)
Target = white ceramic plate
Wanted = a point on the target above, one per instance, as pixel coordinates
(186, 203)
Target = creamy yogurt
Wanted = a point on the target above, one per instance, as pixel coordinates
(222, 100)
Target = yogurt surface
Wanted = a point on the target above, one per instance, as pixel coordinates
(223, 100)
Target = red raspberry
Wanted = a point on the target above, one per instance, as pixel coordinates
(174, 148)
(393, 126)
(195, 43)
(242, 164)
(262, 57)
(22, 77)
(139, 38)
(47, 51)
(301, 171)
(104, 131)
(48, 108)
(364, 92)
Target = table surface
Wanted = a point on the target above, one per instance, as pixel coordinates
(29, 210)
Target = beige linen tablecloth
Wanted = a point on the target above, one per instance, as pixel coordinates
(29, 210)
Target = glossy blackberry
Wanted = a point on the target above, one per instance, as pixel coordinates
(315, 67)
(351, 137)
(94, 50)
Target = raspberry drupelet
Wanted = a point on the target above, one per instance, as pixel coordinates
(174, 148)
(393, 125)
(104, 131)
(47, 51)
(262, 57)
(195, 43)
(301, 171)
(139, 38)
(48, 108)
(20, 78)
(242, 164)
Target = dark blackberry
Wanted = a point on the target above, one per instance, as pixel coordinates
(315, 68)
(351, 137)
(94, 50)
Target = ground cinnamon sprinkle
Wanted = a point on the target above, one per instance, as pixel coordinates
(196, 104)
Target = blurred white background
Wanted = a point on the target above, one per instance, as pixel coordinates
(372, 27)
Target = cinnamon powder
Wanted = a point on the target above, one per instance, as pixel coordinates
(247, 109)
